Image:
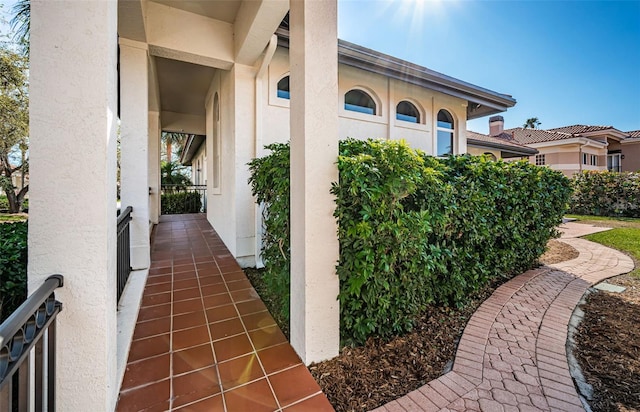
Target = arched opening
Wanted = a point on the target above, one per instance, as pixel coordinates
(359, 101)
(283, 88)
(407, 112)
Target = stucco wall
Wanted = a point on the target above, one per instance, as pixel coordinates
(478, 151)
(631, 161)
(221, 210)
(387, 93)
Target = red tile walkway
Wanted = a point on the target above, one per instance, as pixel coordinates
(512, 354)
(204, 340)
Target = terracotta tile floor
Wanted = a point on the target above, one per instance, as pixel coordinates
(204, 340)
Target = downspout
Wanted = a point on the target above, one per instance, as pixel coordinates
(268, 56)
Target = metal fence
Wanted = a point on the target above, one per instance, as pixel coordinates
(123, 249)
(184, 199)
(28, 342)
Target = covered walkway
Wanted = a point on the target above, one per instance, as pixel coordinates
(204, 340)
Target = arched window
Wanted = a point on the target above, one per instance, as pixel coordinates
(283, 88)
(407, 112)
(359, 101)
(445, 133)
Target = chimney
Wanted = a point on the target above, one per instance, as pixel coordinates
(496, 125)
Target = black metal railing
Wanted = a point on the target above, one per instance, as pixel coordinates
(29, 335)
(123, 250)
(183, 199)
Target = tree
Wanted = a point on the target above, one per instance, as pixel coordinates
(532, 123)
(170, 139)
(173, 173)
(14, 125)
(21, 23)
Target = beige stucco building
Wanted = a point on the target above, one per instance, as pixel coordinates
(239, 75)
(573, 149)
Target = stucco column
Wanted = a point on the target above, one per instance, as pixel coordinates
(134, 146)
(314, 150)
(72, 202)
(154, 167)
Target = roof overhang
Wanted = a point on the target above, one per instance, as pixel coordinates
(482, 102)
(191, 147)
(574, 140)
(511, 151)
(612, 133)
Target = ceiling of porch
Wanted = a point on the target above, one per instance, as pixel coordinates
(224, 10)
(183, 86)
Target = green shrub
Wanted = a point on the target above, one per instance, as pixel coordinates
(181, 202)
(416, 230)
(4, 204)
(13, 267)
(606, 194)
(270, 184)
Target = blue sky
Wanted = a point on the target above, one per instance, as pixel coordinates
(565, 62)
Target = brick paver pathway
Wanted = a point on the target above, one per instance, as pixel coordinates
(512, 354)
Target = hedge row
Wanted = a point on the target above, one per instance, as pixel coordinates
(13, 267)
(416, 230)
(606, 194)
(181, 202)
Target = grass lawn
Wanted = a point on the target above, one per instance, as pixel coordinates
(608, 221)
(625, 236)
(7, 217)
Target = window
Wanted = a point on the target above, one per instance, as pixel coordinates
(614, 162)
(445, 130)
(589, 159)
(283, 88)
(540, 160)
(407, 112)
(359, 101)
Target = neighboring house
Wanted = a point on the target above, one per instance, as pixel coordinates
(496, 147)
(17, 180)
(217, 69)
(624, 155)
(572, 149)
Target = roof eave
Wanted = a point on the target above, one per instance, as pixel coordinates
(523, 151)
(486, 102)
(191, 147)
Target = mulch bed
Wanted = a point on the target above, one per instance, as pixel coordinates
(608, 346)
(363, 378)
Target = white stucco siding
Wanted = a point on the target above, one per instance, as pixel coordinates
(275, 110)
(358, 127)
(221, 210)
(244, 103)
(386, 92)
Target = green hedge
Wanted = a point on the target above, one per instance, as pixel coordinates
(270, 184)
(181, 202)
(13, 267)
(606, 194)
(416, 230)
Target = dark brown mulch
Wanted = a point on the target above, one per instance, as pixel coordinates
(608, 346)
(365, 377)
(557, 252)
